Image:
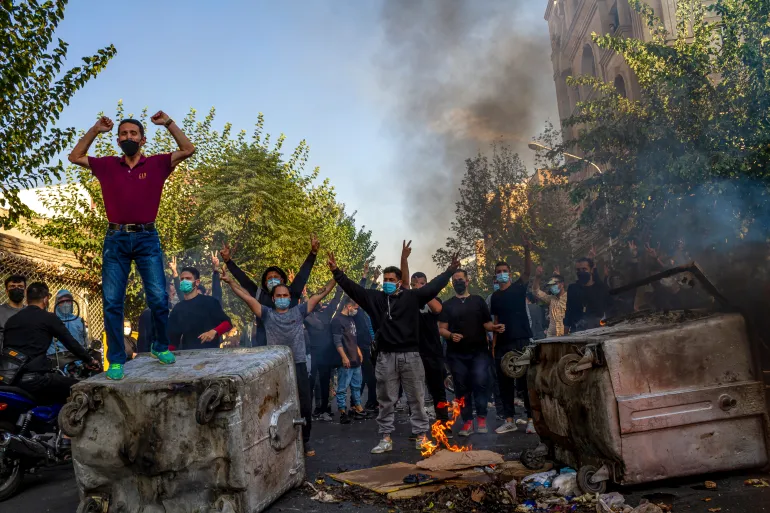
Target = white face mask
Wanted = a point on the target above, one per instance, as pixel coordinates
(126, 331)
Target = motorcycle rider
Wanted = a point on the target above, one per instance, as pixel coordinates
(30, 332)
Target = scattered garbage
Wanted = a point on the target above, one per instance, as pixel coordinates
(566, 485)
(613, 499)
(322, 496)
(757, 483)
(647, 507)
(447, 460)
(511, 487)
(417, 478)
(710, 485)
(540, 479)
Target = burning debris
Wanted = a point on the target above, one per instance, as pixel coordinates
(439, 430)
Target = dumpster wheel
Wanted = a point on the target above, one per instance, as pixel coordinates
(566, 370)
(585, 482)
(509, 366)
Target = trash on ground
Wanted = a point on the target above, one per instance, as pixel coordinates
(613, 499)
(540, 479)
(387, 478)
(511, 487)
(756, 483)
(715, 510)
(710, 485)
(516, 470)
(447, 460)
(322, 496)
(647, 507)
(477, 495)
(418, 479)
(566, 485)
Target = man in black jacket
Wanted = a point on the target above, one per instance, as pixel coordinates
(30, 332)
(588, 299)
(323, 354)
(395, 315)
(270, 278)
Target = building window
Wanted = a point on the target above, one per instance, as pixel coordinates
(587, 64)
(614, 18)
(620, 86)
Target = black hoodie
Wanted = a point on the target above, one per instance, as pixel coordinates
(395, 317)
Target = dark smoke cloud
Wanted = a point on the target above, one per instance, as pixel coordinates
(461, 74)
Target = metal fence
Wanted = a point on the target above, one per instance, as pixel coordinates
(87, 294)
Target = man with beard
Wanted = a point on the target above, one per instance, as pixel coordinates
(395, 315)
(588, 299)
(131, 188)
(271, 277)
(464, 323)
(198, 322)
(14, 289)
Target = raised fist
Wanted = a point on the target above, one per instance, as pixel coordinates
(104, 124)
(159, 118)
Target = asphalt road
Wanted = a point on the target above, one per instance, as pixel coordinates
(347, 447)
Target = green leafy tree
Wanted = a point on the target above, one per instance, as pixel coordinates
(35, 90)
(689, 159)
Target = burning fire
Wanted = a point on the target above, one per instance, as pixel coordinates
(439, 429)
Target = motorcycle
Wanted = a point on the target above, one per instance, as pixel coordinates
(30, 438)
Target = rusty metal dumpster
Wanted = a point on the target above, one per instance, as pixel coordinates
(217, 431)
(654, 396)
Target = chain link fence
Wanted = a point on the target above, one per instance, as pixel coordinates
(87, 294)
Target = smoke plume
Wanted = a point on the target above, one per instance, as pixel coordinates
(461, 75)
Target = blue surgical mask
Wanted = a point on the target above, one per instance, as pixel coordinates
(282, 303)
(389, 287)
(503, 277)
(272, 283)
(186, 286)
(554, 290)
(495, 287)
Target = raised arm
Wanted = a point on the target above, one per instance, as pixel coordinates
(406, 250)
(316, 298)
(299, 282)
(226, 253)
(536, 286)
(356, 292)
(331, 308)
(186, 148)
(527, 271)
(79, 154)
(247, 298)
(216, 283)
(434, 287)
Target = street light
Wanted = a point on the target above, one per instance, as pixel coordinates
(536, 146)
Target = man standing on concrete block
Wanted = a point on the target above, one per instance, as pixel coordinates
(132, 187)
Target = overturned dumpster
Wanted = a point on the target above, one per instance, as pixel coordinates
(217, 431)
(651, 396)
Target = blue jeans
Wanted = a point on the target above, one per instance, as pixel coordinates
(352, 378)
(470, 374)
(120, 249)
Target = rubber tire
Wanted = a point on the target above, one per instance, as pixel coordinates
(584, 476)
(89, 505)
(10, 488)
(513, 371)
(202, 413)
(567, 377)
(532, 462)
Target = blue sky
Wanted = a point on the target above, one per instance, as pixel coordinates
(311, 67)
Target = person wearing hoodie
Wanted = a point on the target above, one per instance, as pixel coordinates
(271, 277)
(395, 315)
(64, 309)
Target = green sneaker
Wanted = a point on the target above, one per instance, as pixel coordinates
(165, 357)
(115, 371)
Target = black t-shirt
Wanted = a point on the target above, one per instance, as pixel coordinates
(344, 333)
(191, 318)
(430, 340)
(466, 316)
(586, 306)
(510, 307)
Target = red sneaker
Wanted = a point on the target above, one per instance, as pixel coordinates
(481, 425)
(467, 429)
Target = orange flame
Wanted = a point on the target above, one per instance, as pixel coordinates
(439, 429)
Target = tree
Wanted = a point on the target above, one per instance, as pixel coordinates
(690, 159)
(491, 216)
(34, 92)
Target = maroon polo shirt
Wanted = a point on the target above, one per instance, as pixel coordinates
(131, 196)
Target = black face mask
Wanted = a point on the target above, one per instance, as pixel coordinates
(16, 295)
(583, 277)
(129, 147)
(459, 286)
